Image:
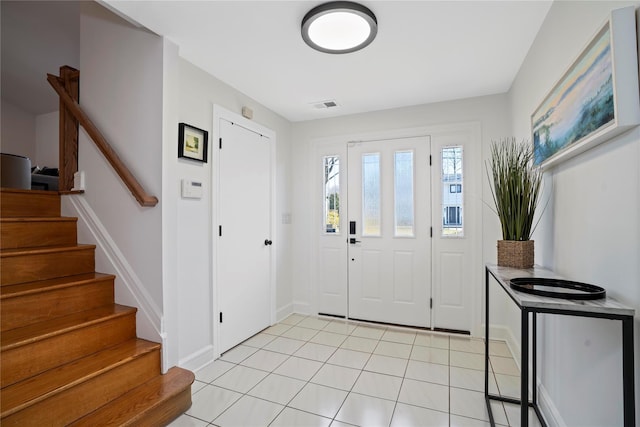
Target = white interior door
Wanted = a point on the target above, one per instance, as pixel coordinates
(244, 241)
(389, 209)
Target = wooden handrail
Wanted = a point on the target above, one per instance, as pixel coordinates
(112, 157)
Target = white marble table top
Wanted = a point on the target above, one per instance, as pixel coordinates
(505, 274)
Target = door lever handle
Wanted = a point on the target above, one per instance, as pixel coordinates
(353, 241)
(268, 242)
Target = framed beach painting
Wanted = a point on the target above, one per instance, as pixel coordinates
(596, 99)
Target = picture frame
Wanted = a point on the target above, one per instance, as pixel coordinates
(192, 143)
(596, 99)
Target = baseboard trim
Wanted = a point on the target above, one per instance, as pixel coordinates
(302, 308)
(548, 409)
(197, 360)
(283, 312)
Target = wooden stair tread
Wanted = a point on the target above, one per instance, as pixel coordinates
(39, 219)
(11, 291)
(27, 392)
(43, 250)
(132, 407)
(42, 330)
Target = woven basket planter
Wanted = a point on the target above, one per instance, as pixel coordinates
(515, 253)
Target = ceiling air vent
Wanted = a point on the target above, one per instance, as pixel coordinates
(324, 104)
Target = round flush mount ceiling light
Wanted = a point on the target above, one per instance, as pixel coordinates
(339, 27)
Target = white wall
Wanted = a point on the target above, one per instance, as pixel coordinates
(18, 134)
(490, 111)
(121, 91)
(47, 140)
(198, 92)
(591, 232)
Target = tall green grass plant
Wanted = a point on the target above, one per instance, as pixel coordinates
(516, 186)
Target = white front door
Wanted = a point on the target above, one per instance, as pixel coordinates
(244, 235)
(389, 209)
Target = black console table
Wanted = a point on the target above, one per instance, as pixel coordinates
(605, 308)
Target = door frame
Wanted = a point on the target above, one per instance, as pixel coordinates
(473, 128)
(221, 113)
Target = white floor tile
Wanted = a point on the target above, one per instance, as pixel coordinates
(399, 336)
(211, 401)
(277, 329)
(386, 365)
(314, 323)
(259, 340)
(299, 333)
(264, 360)
(513, 415)
(293, 319)
(213, 370)
(357, 373)
(378, 385)
(290, 417)
(315, 351)
(337, 423)
(430, 372)
(328, 338)
(368, 332)
(336, 376)
(196, 386)
(504, 365)
(430, 355)
(249, 411)
(467, 344)
(427, 339)
(187, 421)
(284, 345)
(426, 395)
(359, 344)
(299, 368)
(472, 404)
(467, 360)
(471, 379)
(349, 358)
(509, 385)
(409, 415)
(277, 388)
(238, 353)
(366, 411)
(499, 348)
(240, 379)
(340, 327)
(320, 400)
(393, 349)
(460, 421)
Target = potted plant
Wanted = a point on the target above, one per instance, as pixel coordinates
(516, 187)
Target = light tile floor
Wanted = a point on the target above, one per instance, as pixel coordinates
(316, 371)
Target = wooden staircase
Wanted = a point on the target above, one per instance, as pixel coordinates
(68, 354)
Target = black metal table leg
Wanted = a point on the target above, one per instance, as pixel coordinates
(486, 346)
(628, 373)
(524, 369)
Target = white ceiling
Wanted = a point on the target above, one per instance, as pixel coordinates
(425, 51)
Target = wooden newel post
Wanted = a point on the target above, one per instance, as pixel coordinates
(68, 130)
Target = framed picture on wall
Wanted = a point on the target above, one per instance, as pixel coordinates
(192, 142)
(596, 98)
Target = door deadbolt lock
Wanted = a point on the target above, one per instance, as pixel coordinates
(268, 242)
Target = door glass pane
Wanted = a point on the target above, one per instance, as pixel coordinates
(452, 192)
(403, 193)
(371, 194)
(332, 194)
